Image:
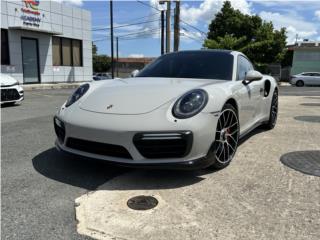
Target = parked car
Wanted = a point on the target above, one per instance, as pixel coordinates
(186, 109)
(305, 78)
(102, 76)
(11, 91)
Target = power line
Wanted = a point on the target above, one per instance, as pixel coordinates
(125, 25)
(149, 5)
(146, 32)
(139, 18)
(199, 37)
(136, 33)
(190, 25)
(199, 30)
(198, 40)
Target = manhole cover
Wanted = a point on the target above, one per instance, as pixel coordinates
(315, 119)
(311, 104)
(307, 162)
(142, 202)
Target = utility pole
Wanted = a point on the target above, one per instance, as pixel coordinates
(168, 26)
(111, 33)
(117, 46)
(162, 32)
(176, 37)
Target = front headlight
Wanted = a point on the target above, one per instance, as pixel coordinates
(77, 94)
(190, 103)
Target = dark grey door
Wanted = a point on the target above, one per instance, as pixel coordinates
(30, 60)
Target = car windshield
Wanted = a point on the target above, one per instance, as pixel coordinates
(191, 64)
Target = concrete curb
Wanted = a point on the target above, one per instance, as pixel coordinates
(30, 87)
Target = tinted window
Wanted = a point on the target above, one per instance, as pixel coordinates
(192, 64)
(306, 74)
(244, 66)
(315, 74)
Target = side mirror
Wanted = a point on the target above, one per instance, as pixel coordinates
(134, 73)
(253, 75)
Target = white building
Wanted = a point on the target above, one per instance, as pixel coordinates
(45, 41)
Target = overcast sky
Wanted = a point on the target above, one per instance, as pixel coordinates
(299, 17)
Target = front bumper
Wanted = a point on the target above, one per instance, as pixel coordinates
(117, 131)
(12, 94)
(195, 164)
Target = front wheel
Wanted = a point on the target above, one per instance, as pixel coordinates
(300, 83)
(226, 139)
(273, 115)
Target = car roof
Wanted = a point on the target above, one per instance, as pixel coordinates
(220, 51)
(204, 50)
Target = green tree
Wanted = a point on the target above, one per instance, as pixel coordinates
(231, 29)
(100, 63)
(94, 49)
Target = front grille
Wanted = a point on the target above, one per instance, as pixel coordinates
(59, 129)
(98, 148)
(9, 95)
(164, 145)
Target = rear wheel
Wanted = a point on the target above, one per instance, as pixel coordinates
(226, 139)
(300, 83)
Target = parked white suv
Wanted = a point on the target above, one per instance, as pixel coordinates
(11, 91)
(305, 78)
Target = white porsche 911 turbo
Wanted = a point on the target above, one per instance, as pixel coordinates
(184, 110)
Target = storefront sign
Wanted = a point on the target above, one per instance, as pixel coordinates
(31, 13)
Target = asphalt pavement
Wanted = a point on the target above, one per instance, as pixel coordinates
(39, 185)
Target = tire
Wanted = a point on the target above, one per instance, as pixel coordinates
(299, 83)
(226, 139)
(273, 115)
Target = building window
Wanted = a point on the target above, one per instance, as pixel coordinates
(77, 53)
(5, 59)
(56, 51)
(66, 52)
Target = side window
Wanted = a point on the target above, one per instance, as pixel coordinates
(315, 74)
(244, 66)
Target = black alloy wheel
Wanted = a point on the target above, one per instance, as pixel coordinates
(273, 111)
(227, 137)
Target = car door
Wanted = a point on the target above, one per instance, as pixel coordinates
(315, 79)
(307, 78)
(248, 95)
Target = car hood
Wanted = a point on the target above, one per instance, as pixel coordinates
(6, 80)
(138, 95)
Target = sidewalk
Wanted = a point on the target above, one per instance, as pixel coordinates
(29, 87)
